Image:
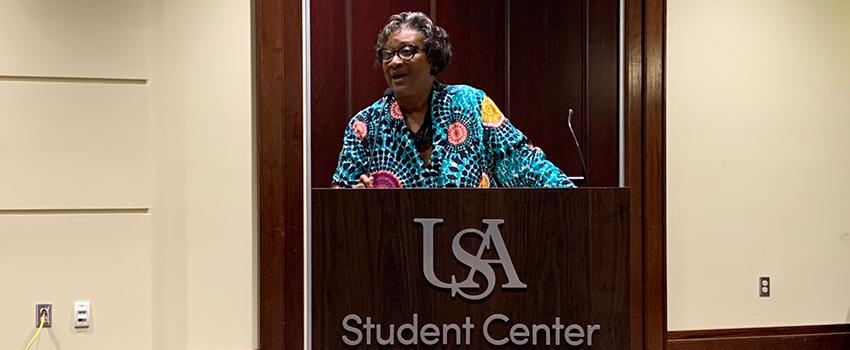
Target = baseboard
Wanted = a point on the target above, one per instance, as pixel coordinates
(824, 337)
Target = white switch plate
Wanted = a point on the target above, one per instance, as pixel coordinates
(82, 314)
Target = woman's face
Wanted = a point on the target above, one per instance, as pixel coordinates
(412, 77)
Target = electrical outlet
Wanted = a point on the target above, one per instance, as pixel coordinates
(764, 287)
(47, 308)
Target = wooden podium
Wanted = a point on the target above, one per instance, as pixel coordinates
(551, 269)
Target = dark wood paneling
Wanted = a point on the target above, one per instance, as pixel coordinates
(654, 179)
(279, 157)
(477, 32)
(633, 106)
(565, 53)
(822, 337)
(602, 126)
(569, 246)
(547, 60)
(644, 119)
(329, 62)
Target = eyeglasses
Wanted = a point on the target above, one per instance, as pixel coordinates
(406, 53)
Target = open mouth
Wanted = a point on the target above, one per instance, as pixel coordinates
(398, 76)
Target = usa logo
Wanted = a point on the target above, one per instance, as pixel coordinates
(490, 239)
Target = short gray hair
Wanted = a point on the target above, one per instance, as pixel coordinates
(437, 45)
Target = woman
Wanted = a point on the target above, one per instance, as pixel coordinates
(429, 135)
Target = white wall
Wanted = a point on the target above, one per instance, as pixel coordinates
(126, 148)
(758, 162)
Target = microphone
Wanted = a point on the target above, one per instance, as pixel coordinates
(389, 93)
(578, 147)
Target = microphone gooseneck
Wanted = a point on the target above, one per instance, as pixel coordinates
(389, 93)
(578, 147)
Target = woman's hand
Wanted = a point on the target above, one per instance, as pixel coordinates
(364, 182)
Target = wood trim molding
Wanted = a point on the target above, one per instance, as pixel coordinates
(822, 337)
(280, 173)
(644, 98)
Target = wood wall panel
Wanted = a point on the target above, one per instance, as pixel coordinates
(601, 129)
(644, 119)
(477, 32)
(633, 157)
(821, 337)
(73, 145)
(654, 180)
(330, 62)
(547, 76)
(280, 142)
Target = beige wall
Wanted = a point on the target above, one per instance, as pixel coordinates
(758, 162)
(80, 38)
(204, 286)
(126, 149)
(76, 179)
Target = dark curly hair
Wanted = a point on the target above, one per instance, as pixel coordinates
(437, 45)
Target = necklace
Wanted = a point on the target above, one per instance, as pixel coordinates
(424, 137)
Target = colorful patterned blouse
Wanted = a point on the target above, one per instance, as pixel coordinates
(474, 146)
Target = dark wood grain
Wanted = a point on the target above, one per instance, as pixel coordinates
(654, 195)
(601, 89)
(477, 33)
(569, 246)
(820, 337)
(279, 145)
(547, 75)
(330, 63)
(644, 119)
(633, 158)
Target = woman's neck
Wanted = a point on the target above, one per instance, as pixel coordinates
(413, 104)
(415, 108)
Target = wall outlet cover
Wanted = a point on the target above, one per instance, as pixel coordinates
(764, 287)
(47, 308)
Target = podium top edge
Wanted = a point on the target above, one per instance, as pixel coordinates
(478, 189)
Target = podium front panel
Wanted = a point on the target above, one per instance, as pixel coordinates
(475, 269)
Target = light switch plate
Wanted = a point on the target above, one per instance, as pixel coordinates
(82, 314)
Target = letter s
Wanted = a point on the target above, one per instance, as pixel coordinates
(475, 263)
(351, 329)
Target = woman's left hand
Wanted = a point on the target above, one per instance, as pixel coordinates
(364, 182)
